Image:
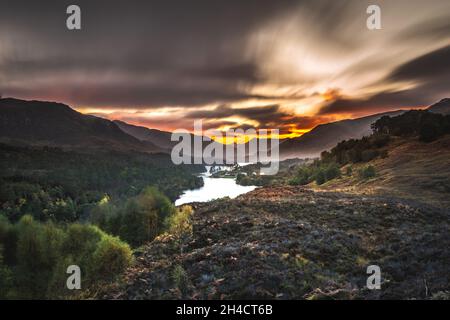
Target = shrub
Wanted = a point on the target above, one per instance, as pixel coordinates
(5, 277)
(320, 177)
(303, 176)
(317, 171)
(38, 252)
(367, 172)
(8, 237)
(41, 252)
(110, 258)
(79, 245)
(141, 219)
(139, 222)
(57, 286)
(332, 172)
(429, 132)
(179, 224)
(349, 171)
(180, 278)
(102, 214)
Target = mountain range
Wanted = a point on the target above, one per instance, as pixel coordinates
(56, 124)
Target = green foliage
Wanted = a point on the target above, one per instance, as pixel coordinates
(354, 151)
(320, 177)
(79, 246)
(5, 277)
(305, 175)
(367, 172)
(427, 125)
(179, 224)
(251, 179)
(349, 171)
(43, 251)
(139, 220)
(62, 186)
(318, 171)
(180, 278)
(110, 258)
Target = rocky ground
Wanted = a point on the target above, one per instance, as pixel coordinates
(294, 243)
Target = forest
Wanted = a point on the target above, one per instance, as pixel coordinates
(59, 208)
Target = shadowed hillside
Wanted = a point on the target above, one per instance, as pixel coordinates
(156, 137)
(326, 136)
(56, 124)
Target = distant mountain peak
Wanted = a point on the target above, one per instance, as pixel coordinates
(442, 106)
(445, 101)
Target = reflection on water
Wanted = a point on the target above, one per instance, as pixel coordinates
(213, 188)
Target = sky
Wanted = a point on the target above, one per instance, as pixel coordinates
(287, 65)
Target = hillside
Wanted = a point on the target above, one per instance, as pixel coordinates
(56, 124)
(442, 106)
(294, 243)
(326, 136)
(156, 137)
(412, 170)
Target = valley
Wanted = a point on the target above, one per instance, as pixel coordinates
(87, 192)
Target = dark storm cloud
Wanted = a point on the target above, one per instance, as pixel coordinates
(433, 65)
(175, 41)
(377, 103)
(142, 54)
(137, 95)
(432, 71)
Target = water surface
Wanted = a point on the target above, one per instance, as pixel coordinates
(213, 188)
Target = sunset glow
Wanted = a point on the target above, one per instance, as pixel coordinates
(276, 68)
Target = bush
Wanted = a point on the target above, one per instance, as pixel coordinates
(332, 172)
(103, 212)
(180, 278)
(5, 277)
(79, 246)
(179, 224)
(303, 177)
(320, 177)
(367, 172)
(110, 258)
(429, 132)
(41, 252)
(139, 221)
(354, 151)
(349, 171)
(317, 171)
(31, 277)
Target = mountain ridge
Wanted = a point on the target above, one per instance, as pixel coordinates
(56, 124)
(442, 106)
(326, 136)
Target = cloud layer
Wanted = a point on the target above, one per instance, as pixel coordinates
(284, 64)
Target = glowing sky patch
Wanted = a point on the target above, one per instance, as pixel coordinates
(288, 64)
